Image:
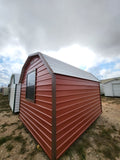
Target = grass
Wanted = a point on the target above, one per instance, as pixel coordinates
(20, 126)
(3, 126)
(4, 106)
(9, 147)
(107, 145)
(6, 124)
(114, 128)
(110, 100)
(5, 139)
(79, 147)
(23, 148)
(80, 150)
(17, 139)
(21, 140)
(34, 152)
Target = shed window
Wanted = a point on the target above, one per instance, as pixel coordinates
(30, 88)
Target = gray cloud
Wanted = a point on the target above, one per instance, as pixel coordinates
(50, 25)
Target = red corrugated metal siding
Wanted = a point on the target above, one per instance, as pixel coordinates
(77, 106)
(37, 116)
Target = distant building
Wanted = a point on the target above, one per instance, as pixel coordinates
(110, 87)
(5, 91)
(0, 89)
(14, 93)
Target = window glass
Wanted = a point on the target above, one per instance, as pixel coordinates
(30, 88)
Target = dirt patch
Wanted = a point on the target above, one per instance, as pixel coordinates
(101, 141)
(111, 110)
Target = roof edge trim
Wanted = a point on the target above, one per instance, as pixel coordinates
(27, 61)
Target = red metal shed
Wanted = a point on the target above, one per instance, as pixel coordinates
(58, 102)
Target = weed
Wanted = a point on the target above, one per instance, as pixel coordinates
(108, 153)
(81, 152)
(39, 148)
(23, 148)
(19, 138)
(106, 133)
(68, 152)
(4, 125)
(9, 147)
(7, 115)
(20, 126)
(34, 152)
(5, 139)
(113, 127)
(106, 144)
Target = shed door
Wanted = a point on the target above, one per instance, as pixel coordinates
(116, 89)
(12, 96)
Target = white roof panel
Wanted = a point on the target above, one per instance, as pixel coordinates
(17, 77)
(66, 69)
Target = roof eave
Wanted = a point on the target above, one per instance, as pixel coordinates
(28, 60)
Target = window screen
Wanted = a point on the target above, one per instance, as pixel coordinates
(30, 88)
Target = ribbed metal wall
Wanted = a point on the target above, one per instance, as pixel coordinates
(37, 116)
(17, 99)
(77, 107)
(12, 96)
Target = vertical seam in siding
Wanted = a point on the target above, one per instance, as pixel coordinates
(19, 96)
(35, 85)
(14, 98)
(53, 117)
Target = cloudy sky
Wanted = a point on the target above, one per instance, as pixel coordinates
(83, 33)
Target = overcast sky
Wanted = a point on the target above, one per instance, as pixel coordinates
(84, 33)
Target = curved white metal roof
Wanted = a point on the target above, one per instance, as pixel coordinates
(66, 69)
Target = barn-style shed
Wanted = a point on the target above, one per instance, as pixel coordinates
(111, 87)
(14, 91)
(58, 102)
